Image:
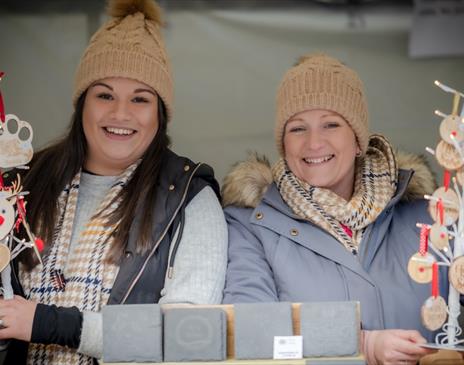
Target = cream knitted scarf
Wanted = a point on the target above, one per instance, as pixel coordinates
(376, 181)
(79, 278)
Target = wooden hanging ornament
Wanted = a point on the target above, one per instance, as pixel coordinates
(444, 206)
(420, 264)
(434, 311)
(439, 236)
(452, 125)
(456, 274)
(447, 156)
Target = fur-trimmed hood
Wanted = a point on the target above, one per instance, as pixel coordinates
(247, 182)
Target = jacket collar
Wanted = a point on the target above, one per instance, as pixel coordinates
(308, 235)
(269, 213)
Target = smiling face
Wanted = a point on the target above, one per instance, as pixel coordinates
(320, 148)
(120, 120)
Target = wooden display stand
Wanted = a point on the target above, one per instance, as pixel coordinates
(229, 309)
(443, 357)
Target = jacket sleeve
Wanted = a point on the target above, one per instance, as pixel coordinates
(200, 262)
(91, 343)
(249, 276)
(56, 325)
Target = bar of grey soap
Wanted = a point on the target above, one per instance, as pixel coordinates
(132, 333)
(256, 324)
(195, 334)
(330, 328)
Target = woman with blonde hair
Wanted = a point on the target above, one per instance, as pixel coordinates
(335, 218)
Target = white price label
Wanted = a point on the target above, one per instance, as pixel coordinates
(288, 347)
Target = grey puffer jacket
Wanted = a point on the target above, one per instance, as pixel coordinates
(276, 256)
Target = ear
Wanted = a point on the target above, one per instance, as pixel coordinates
(11, 199)
(358, 150)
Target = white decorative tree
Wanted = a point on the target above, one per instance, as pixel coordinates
(446, 207)
(15, 152)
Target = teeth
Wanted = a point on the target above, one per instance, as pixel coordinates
(119, 131)
(318, 160)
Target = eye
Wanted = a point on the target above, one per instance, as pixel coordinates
(3, 211)
(105, 96)
(296, 129)
(140, 99)
(330, 125)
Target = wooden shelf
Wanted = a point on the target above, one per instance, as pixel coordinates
(357, 360)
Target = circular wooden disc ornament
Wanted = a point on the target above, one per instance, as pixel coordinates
(447, 156)
(450, 206)
(451, 124)
(5, 256)
(420, 267)
(439, 236)
(456, 274)
(434, 312)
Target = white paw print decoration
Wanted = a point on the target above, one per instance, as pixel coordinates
(15, 142)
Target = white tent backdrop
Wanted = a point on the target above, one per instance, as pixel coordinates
(227, 66)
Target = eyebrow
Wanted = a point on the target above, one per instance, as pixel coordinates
(145, 90)
(102, 84)
(295, 120)
(140, 90)
(330, 115)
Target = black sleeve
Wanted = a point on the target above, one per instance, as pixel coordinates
(57, 325)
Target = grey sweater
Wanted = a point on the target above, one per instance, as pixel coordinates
(201, 259)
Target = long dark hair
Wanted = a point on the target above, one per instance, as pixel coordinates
(54, 167)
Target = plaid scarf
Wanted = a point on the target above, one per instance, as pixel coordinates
(81, 277)
(376, 180)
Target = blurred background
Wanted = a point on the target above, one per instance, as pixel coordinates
(229, 56)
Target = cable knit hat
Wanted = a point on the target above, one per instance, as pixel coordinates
(129, 45)
(322, 82)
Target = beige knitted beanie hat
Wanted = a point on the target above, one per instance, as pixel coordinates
(129, 45)
(322, 82)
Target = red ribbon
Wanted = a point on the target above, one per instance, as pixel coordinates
(423, 247)
(21, 212)
(434, 280)
(440, 211)
(446, 179)
(2, 184)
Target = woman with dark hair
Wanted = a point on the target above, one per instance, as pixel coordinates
(124, 219)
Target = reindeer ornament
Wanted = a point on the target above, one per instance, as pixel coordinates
(15, 152)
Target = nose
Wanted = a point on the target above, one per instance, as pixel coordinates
(1, 220)
(314, 140)
(120, 111)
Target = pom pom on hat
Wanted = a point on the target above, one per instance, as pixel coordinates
(122, 8)
(128, 45)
